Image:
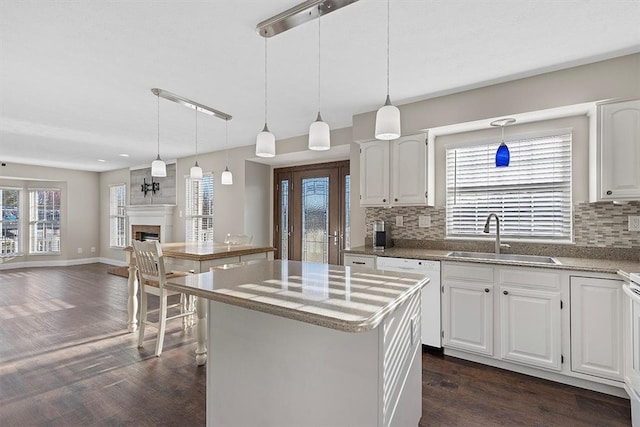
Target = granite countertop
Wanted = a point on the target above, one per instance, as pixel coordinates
(204, 251)
(332, 296)
(596, 265)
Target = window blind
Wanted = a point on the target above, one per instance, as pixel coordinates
(532, 196)
(199, 209)
(117, 216)
(44, 221)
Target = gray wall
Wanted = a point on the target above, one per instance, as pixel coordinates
(80, 223)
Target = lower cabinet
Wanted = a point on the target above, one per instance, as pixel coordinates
(596, 327)
(468, 319)
(530, 327)
(359, 261)
(522, 305)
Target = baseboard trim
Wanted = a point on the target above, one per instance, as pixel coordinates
(60, 263)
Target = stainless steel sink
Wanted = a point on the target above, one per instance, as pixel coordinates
(515, 258)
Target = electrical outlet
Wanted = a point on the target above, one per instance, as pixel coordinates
(424, 221)
(93, 249)
(79, 250)
(399, 220)
(634, 223)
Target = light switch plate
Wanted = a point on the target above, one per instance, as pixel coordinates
(634, 223)
(399, 220)
(424, 221)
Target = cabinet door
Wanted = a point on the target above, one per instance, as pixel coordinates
(596, 327)
(374, 173)
(409, 170)
(530, 327)
(619, 150)
(359, 261)
(468, 317)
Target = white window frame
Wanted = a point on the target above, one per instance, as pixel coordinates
(53, 243)
(532, 196)
(10, 246)
(118, 216)
(199, 209)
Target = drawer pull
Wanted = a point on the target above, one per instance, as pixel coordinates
(505, 292)
(358, 262)
(486, 289)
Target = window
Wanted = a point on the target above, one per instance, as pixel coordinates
(44, 221)
(532, 196)
(199, 209)
(9, 221)
(117, 216)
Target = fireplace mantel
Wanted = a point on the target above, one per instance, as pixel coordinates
(160, 215)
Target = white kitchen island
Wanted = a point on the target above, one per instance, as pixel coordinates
(305, 344)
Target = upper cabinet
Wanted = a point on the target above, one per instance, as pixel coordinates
(394, 173)
(615, 154)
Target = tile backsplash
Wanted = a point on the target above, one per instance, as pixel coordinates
(595, 225)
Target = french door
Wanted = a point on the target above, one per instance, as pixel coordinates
(311, 218)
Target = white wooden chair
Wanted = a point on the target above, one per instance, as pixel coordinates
(152, 278)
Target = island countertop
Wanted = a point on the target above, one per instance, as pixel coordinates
(337, 297)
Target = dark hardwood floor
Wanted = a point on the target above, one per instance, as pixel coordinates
(66, 359)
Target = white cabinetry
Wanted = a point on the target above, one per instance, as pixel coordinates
(596, 327)
(615, 154)
(525, 311)
(467, 307)
(395, 172)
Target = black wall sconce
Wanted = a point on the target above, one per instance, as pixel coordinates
(149, 186)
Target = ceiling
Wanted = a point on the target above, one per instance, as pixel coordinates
(76, 76)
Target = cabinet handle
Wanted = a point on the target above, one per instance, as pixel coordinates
(395, 200)
(384, 200)
(609, 192)
(358, 262)
(505, 292)
(486, 289)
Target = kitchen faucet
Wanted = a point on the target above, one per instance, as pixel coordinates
(486, 230)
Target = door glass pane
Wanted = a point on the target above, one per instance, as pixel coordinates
(347, 210)
(284, 219)
(315, 219)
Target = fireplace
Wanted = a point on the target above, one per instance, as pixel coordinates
(151, 222)
(146, 232)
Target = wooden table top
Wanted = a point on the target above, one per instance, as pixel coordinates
(204, 251)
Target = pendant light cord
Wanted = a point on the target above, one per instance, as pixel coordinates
(196, 134)
(158, 125)
(265, 77)
(388, 46)
(502, 128)
(226, 142)
(319, 59)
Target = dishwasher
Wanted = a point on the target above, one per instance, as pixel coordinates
(431, 320)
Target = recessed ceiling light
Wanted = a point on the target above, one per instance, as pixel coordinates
(102, 160)
(123, 155)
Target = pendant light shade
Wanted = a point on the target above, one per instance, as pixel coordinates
(196, 170)
(388, 116)
(158, 167)
(227, 177)
(388, 122)
(319, 135)
(502, 154)
(265, 141)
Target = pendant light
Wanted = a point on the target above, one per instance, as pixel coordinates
(196, 170)
(226, 178)
(388, 116)
(319, 132)
(158, 167)
(502, 154)
(265, 141)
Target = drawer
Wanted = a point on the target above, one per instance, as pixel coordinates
(533, 277)
(467, 272)
(359, 261)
